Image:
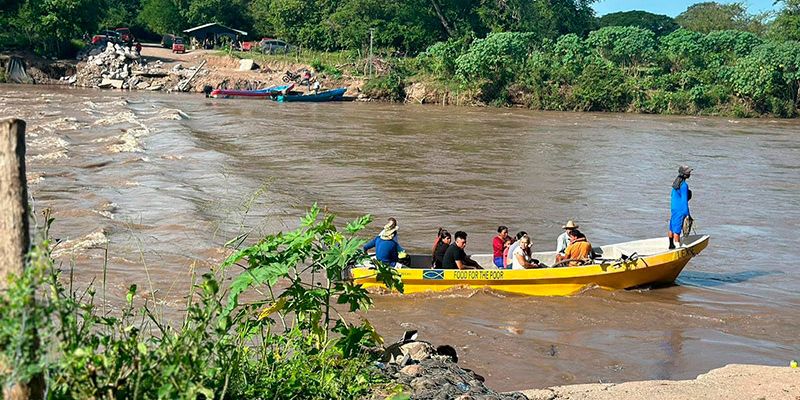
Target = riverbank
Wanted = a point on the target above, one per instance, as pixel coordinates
(159, 69)
(731, 381)
(441, 76)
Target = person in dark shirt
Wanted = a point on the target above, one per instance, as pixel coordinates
(455, 257)
(443, 240)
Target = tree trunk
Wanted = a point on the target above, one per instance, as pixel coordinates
(14, 235)
(446, 26)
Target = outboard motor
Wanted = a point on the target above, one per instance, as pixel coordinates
(207, 90)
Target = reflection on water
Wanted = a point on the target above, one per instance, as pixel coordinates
(167, 179)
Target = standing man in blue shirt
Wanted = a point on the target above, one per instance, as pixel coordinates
(679, 205)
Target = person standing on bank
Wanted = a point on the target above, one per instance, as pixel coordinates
(679, 205)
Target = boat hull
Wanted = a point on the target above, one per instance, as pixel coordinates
(656, 269)
(330, 95)
(252, 94)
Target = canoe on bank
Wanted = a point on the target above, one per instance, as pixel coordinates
(328, 95)
(618, 266)
(257, 93)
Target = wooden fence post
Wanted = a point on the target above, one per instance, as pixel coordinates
(14, 236)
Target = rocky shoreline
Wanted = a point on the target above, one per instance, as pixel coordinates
(432, 373)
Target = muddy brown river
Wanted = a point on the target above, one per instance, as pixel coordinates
(163, 181)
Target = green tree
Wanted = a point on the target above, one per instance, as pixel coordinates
(397, 24)
(496, 58)
(725, 47)
(570, 55)
(787, 24)
(120, 13)
(49, 25)
(162, 16)
(601, 87)
(624, 45)
(660, 24)
(684, 49)
(770, 77)
(510, 16)
(230, 13)
(712, 16)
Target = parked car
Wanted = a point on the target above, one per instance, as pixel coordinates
(125, 35)
(178, 46)
(166, 40)
(274, 46)
(99, 39)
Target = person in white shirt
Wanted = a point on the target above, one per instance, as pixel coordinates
(522, 255)
(563, 240)
(510, 254)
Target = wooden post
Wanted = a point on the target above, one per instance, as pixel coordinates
(14, 236)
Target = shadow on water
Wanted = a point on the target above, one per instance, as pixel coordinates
(713, 279)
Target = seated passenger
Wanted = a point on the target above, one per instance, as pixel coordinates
(455, 257)
(443, 241)
(579, 249)
(522, 255)
(510, 256)
(563, 239)
(387, 249)
(509, 243)
(498, 245)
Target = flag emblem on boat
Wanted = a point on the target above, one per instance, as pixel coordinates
(433, 274)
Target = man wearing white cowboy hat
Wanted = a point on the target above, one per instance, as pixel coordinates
(387, 249)
(563, 240)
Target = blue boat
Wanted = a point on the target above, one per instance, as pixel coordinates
(328, 95)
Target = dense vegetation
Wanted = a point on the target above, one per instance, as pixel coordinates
(289, 344)
(713, 58)
(625, 69)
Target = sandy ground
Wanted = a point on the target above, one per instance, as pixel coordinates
(733, 381)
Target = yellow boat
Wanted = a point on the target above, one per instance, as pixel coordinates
(617, 266)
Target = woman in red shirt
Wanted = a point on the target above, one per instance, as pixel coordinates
(499, 244)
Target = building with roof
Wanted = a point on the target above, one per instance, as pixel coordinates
(215, 33)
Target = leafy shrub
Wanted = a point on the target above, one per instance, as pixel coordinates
(279, 345)
(601, 87)
(498, 58)
(685, 49)
(389, 87)
(570, 55)
(624, 45)
(440, 58)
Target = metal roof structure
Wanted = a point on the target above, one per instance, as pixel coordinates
(211, 26)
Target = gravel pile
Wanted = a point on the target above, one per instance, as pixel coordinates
(121, 67)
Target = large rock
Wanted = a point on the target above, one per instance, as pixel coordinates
(247, 64)
(418, 351)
